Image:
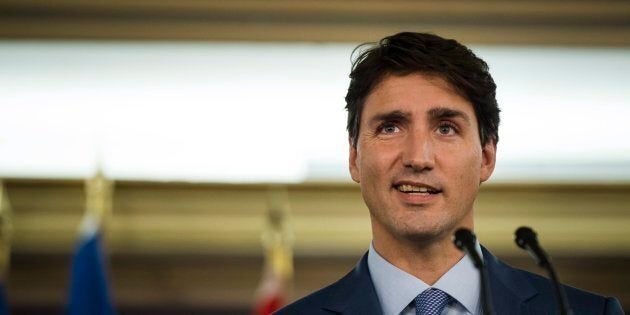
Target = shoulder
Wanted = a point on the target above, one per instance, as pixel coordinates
(352, 294)
(541, 295)
(580, 301)
(311, 304)
(331, 299)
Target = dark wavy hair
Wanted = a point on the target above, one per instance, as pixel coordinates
(406, 53)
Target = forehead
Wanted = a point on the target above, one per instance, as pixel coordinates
(416, 93)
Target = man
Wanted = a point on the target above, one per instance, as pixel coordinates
(423, 128)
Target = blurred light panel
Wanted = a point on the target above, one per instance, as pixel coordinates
(251, 112)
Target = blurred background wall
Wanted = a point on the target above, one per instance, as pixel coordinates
(210, 116)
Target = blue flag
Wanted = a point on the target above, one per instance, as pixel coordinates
(4, 306)
(89, 289)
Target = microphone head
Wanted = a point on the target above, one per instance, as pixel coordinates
(462, 237)
(525, 235)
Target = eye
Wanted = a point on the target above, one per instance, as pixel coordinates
(446, 129)
(389, 129)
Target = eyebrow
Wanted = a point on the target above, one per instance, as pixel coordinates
(395, 115)
(443, 113)
(435, 114)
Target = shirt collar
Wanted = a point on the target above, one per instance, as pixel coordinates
(463, 283)
(396, 288)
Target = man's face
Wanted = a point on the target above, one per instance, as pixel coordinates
(419, 159)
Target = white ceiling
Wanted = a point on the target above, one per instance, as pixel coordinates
(250, 112)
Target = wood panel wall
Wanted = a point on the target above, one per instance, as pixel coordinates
(571, 22)
(182, 248)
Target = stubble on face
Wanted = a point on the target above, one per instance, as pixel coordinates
(417, 134)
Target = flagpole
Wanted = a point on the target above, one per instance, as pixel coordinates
(277, 239)
(98, 199)
(277, 242)
(89, 282)
(6, 234)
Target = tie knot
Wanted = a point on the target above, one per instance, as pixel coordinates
(431, 302)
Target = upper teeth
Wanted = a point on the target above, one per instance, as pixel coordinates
(412, 188)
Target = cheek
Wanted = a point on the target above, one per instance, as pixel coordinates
(370, 170)
(465, 167)
(378, 163)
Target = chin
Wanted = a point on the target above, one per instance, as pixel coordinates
(429, 229)
(424, 234)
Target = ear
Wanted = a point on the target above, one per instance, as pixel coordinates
(355, 172)
(488, 160)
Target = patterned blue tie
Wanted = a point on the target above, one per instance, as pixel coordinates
(431, 302)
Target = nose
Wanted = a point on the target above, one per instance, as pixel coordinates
(418, 153)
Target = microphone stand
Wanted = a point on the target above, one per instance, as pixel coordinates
(465, 240)
(526, 239)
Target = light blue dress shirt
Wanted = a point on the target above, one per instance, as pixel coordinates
(396, 289)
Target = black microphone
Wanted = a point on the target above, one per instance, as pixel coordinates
(527, 239)
(465, 240)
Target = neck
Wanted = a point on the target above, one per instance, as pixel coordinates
(427, 260)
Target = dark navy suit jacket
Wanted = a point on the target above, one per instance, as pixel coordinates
(513, 292)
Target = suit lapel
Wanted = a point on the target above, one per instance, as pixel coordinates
(510, 290)
(354, 294)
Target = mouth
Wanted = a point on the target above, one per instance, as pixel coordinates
(417, 189)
